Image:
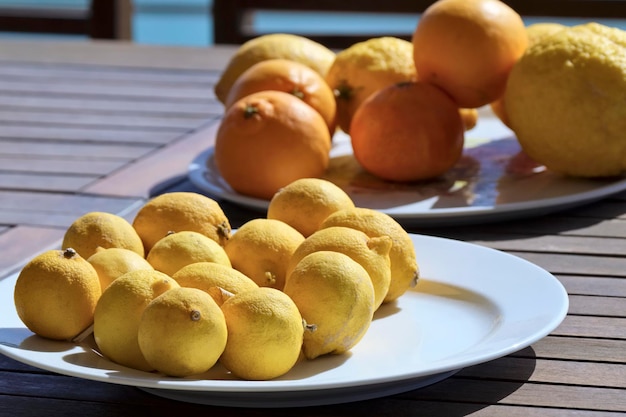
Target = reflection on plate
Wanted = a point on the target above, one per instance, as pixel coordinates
(481, 187)
(483, 305)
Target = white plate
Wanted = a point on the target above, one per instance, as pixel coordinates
(472, 305)
(480, 188)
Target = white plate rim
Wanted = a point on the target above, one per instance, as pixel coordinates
(549, 316)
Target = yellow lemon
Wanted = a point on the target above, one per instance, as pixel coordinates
(212, 277)
(535, 32)
(100, 229)
(179, 211)
(178, 249)
(334, 294)
(261, 250)
(56, 294)
(271, 46)
(564, 102)
(404, 267)
(364, 68)
(182, 332)
(265, 333)
(118, 313)
(305, 203)
(114, 262)
(372, 253)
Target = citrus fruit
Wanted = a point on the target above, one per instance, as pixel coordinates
(178, 211)
(366, 67)
(261, 249)
(275, 45)
(407, 132)
(212, 277)
(334, 293)
(372, 253)
(404, 267)
(182, 332)
(290, 77)
(100, 229)
(178, 249)
(56, 293)
(267, 140)
(118, 313)
(265, 332)
(564, 102)
(468, 47)
(113, 262)
(535, 32)
(305, 203)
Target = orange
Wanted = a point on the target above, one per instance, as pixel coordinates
(407, 132)
(468, 47)
(291, 77)
(269, 139)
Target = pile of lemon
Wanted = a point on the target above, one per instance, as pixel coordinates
(176, 292)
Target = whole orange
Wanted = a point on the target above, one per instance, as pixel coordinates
(269, 139)
(407, 132)
(468, 47)
(291, 77)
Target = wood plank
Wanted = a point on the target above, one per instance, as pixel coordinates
(33, 147)
(577, 264)
(167, 166)
(522, 394)
(44, 182)
(577, 348)
(115, 54)
(99, 120)
(590, 326)
(70, 165)
(610, 375)
(597, 306)
(57, 209)
(587, 285)
(152, 136)
(20, 243)
(129, 91)
(110, 105)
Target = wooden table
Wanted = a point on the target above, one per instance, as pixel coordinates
(105, 126)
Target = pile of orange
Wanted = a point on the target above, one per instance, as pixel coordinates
(408, 112)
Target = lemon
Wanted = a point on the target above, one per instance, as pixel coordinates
(364, 68)
(404, 267)
(113, 262)
(56, 294)
(564, 100)
(179, 211)
(535, 32)
(271, 46)
(265, 334)
(305, 203)
(100, 229)
(182, 332)
(212, 277)
(178, 249)
(261, 250)
(372, 253)
(334, 293)
(118, 313)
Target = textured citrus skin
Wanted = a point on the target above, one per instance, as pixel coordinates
(564, 100)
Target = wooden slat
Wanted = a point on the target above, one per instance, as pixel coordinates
(597, 306)
(590, 326)
(168, 165)
(577, 264)
(44, 182)
(20, 243)
(52, 148)
(587, 285)
(578, 348)
(68, 165)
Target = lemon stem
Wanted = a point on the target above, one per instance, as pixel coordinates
(69, 253)
(250, 111)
